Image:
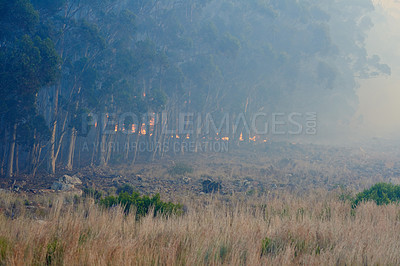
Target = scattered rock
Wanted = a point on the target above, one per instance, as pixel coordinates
(186, 179)
(61, 186)
(67, 183)
(72, 180)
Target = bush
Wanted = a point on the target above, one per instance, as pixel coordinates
(180, 169)
(142, 204)
(210, 186)
(91, 193)
(4, 249)
(381, 193)
(125, 189)
(270, 246)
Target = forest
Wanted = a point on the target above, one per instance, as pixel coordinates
(78, 77)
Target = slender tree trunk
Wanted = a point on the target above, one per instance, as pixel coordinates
(3, 161)
(52, 156)
(138, 132)
(110, 148)
(103, 142)
(10, 162)
(95, 145)
(127, 146)
(71, 149)
(72, 140)
(156, 139)
(32, 157)
(36, 165)
(16, 159)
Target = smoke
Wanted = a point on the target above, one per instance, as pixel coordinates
(379, 109)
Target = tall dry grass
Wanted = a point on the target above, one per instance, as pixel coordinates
(281, 230)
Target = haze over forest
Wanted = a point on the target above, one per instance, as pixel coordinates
(379, 96)
(70, 69)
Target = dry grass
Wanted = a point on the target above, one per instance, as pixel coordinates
(313, 230)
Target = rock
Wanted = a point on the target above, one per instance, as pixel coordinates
(62, 186)
(73, 180)
(66, 183)
(186, 179)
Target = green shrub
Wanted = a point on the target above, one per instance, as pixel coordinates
(270, 246)
(4, 249)
(125, 188)
(142, 204)
(381, 193)
(55, 253)
(91, 193)
(180, 169)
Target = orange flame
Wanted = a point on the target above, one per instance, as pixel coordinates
(143, 130)
(241, 137)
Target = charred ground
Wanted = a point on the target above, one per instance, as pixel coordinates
(250, 169)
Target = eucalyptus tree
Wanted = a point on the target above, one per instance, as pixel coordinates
(28, 63)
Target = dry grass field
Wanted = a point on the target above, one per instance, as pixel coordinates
(282, 204)
(275, 229)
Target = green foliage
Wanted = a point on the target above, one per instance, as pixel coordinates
(381, 193)
(91, 193)
(16, 16)
(180, 169)
(4, 249)
(142, 204)
(125, 189)
(55, 253)
(269, 246)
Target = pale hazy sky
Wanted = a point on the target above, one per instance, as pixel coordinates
(380, 97)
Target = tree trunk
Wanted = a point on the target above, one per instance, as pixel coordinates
(127, 146)
(52, 155)
(156, 140)
(72, 140)
(16, 160)
(71, 149)
(103, 140)
(95, 146)
(10, 162)
(3, 160)
(135, 154)
(36, 165)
